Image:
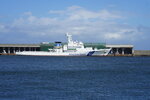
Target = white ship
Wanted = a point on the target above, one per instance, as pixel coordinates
(72, 48)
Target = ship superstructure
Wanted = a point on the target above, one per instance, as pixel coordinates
(72, 48)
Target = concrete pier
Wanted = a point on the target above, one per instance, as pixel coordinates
(141, 52)
(117, 50)
(121, 50)
(10, 49)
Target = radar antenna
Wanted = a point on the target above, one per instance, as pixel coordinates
(69, 37)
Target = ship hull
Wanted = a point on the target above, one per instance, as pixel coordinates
(38, 53)
(86, 53)
(101, 52)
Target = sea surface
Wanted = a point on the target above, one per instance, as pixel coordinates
(74, 78)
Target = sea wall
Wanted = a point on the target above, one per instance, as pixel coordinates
(141, 52)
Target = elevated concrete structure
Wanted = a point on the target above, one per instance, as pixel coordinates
(19, 45)
(121, 49)
(12, 48)
(119, 46)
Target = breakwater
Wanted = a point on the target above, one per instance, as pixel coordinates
(141, 52)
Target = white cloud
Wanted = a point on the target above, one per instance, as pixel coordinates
(71, 8)
(56, 12)
(79, 13)
(3, 28)
(111, 5)
(87, 25)
(27, 13)
(113, 36)
(105, 14)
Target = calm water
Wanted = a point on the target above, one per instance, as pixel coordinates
(74, 78)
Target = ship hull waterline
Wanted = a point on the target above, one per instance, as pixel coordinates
(55, 54)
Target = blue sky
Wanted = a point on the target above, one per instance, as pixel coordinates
(110, 21)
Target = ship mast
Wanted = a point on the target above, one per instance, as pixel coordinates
(69, 37)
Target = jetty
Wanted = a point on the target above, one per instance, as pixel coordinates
(116, 50)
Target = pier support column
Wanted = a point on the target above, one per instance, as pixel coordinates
(132, 51)
(24, 49)
(14, 50)
(34, 49)
(18, 49)
(8, 50)
(117, 52)
(122, 51)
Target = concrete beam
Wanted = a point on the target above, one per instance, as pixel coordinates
(19, 45)
(119, 46)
